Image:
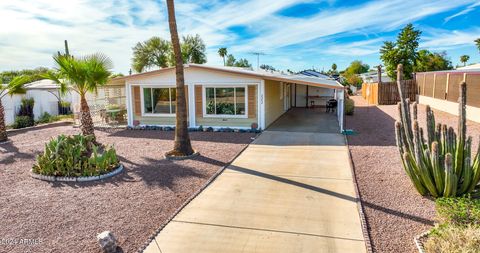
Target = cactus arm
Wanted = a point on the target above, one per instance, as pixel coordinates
(438, 137)
(424, 171)
(450, 177)
(467, 177)
(462, 129)
(438, 173)
(412, 171)
(475, 170)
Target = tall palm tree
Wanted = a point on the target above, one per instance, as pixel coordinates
(182, 145)
(464, 59)
(16, 86)
(223, 52)
(82, 75)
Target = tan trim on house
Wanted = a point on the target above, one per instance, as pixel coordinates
(137, 103)
(198, 101)
(252, 101)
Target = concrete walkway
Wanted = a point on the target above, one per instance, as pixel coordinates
(287, 192)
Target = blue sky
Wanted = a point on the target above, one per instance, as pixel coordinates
(293, 34)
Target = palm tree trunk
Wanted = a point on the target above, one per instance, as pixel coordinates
(3, 128)
(182, 145)
(223, 60)
(86, 123)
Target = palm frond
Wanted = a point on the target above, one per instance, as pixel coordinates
(57, 78)
(16, 86)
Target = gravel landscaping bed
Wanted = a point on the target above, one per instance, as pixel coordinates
(67, 216)
(395, 212)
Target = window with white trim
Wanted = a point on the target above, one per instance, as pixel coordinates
(225, 101)
(159, 100)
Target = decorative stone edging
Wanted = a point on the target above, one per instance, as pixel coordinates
(77, 179)
(51, 124)
(420, 240)
(196, 129)
(361, 210)
(178, 158)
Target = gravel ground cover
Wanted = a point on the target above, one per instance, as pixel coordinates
(395, 212)
(66, 217)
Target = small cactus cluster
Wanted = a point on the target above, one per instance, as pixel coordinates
(441, 165)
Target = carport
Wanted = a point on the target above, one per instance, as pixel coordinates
(304, 105)
(314, 120)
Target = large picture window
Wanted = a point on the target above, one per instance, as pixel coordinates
(225, 101)
(159, 100)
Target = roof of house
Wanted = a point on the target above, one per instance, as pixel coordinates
(470, 67)
(263, 74)
(44, 84)
(313, 73)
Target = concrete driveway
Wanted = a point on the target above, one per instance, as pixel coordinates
(287, 192)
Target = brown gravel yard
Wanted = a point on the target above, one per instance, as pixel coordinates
(394, 211)
(66, 217)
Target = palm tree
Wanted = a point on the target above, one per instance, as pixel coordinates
(154, 52)
(182, 145)
(223, 52)
(16, 86)
(477, 42)
(193, 49)
(82, 75)
(464, 59)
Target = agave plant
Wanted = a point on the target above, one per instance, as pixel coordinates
(442, 163)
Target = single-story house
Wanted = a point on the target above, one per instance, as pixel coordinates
(224, 96)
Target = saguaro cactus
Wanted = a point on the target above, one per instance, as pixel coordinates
(441, 164)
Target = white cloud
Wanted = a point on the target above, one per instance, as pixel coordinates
(445, 39)
(462, 12)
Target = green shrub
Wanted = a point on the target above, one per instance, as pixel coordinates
(47, 118)
(26, 107)
(22, 122)
(459, 230)
(451, 239)
(44, 118)
(74, 156)
(458, 211)
(349, 106)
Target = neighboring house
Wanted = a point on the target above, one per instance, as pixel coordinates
(372, 77)
(472, 67)
(224, 96)
(45, 93)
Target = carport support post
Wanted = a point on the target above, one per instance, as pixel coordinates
(340, 94)
(261, 100)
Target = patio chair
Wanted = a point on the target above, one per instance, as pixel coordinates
(331, 105)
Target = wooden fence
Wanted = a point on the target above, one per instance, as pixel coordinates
(444, 85)
(387, 92)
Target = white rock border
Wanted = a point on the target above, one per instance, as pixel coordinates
(420, 239)
(77, 179)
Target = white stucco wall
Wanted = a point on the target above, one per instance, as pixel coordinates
(473, 113)
(44, 102)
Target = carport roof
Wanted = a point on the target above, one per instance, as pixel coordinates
(266, 75)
